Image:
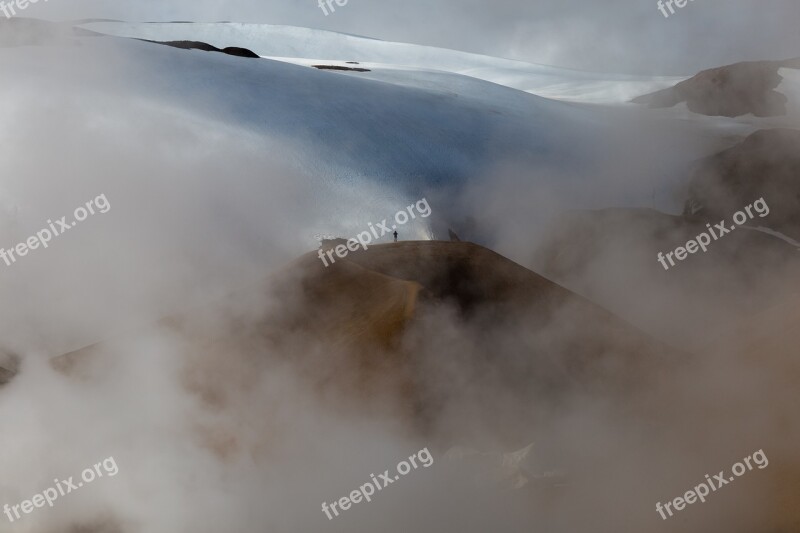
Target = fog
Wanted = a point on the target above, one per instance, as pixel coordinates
(228, 418)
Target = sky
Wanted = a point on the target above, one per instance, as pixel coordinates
(614, 35)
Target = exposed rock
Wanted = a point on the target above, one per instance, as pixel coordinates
(198, 45)
(730, 91)
(339, 67)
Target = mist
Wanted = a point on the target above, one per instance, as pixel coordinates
(185, 333)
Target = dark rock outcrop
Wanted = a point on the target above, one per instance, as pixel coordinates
(198, 45)
(729, 91)
(339, 67)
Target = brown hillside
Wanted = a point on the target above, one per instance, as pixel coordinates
(611, 257)
(731, 91)
(766, 164)
(364, 304)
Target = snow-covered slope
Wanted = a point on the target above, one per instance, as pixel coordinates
(429, 126)
(433, 131)
(291, 43)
